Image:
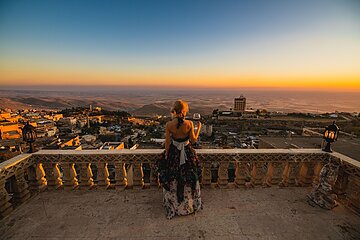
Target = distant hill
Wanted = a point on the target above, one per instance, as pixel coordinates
(43, 103)
(109, 103)
(58, 103)
(152, 109)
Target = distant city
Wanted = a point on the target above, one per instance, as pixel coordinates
(240, 126)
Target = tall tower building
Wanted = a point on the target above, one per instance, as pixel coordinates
(240, 104)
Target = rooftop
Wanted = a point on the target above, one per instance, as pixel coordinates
(345, 145)
(271, 213)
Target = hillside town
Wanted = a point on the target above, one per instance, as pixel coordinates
(91, 127)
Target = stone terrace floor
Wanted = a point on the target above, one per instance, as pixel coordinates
(260, 213)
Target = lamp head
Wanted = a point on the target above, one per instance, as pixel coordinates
(331, 132)
(28, 132)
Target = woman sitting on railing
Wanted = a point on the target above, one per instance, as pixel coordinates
(180, 171)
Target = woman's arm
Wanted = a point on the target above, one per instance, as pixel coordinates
(194, 135)
(167, 139)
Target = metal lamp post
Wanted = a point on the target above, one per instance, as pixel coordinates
(330, 135)
(29, 136)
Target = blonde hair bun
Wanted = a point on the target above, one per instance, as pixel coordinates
(180, 106)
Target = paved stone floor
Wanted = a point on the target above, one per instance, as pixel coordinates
(261, 213)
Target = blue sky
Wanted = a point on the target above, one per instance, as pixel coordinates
(239, 38)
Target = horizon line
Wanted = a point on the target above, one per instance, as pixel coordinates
(99, 87)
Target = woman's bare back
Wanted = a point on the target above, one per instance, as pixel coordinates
(183, 130)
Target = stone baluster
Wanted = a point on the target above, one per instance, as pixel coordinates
(40, 177)
(57, 176)
(5, 205)
(50, 178)
(293, 173)
(103, 175)
(243, 174)
(306, 173)
(21, 188)
(53, 176)
(223, 174)
(86, 180)
(129, 175)
(70, 180)
(276, 173)
(120, 174)
(259, 173)
(206, 173)
(138, 176)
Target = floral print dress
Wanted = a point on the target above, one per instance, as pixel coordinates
(180, 183)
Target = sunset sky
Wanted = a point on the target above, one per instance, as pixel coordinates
(267, 44)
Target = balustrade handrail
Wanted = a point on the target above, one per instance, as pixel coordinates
(25, 157)
(16, 162)
(198, 151)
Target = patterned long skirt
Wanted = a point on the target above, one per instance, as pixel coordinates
(181, 185)
(190, 203)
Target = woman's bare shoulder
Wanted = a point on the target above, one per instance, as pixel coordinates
(188, 122)
(170, 124)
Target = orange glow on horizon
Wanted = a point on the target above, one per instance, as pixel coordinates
(187, 81)
(37, 76)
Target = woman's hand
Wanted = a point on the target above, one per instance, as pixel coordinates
(198, 124)
(194, 135)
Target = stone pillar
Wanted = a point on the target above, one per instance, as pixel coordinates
(5, 205)
(223, 174)
(103, 175)
(206, 173)
(322, 194)
(120, 174)
(71, 182)
(138, 175)
(86, 175)
(21, 188)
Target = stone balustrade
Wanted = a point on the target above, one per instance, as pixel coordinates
(62, 170)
